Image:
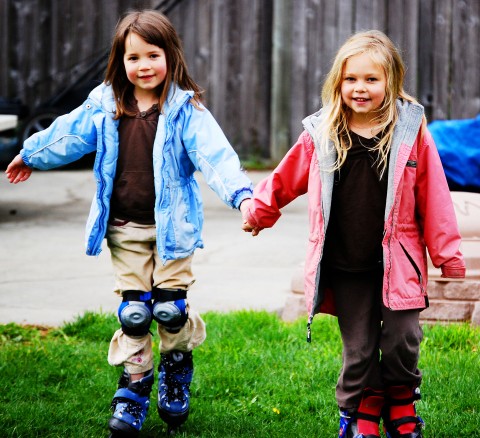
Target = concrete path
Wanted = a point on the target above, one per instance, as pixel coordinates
(46, 278)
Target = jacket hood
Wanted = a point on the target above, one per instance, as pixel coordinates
(102, 95)
(410, 116)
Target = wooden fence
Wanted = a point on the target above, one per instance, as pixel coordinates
(439, 41)
(261, 62)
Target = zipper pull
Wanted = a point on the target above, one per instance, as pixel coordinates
(309, 330)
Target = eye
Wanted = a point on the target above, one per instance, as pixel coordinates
(132, 58)
(349, 79)
(372, 79)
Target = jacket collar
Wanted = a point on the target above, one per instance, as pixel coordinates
(102, 95)
(176, 98)
(409, 119)
(406, 130)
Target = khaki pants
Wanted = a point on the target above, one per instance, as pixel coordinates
(137, 266)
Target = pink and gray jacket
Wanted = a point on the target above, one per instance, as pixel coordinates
(419, 213)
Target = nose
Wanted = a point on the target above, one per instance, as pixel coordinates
(360, 87)
(144, 64)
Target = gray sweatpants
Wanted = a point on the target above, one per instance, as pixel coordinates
(380, 346)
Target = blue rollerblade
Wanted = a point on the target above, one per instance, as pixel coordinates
(130, 405)
(349, 428)
(348, 425)
(174, 378)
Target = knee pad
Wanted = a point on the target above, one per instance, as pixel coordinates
(170, 308)
(135, 312)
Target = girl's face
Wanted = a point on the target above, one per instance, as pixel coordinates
(145, 65)
(363, 87)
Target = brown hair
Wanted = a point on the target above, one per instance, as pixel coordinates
(156, 29)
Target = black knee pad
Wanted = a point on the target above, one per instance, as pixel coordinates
(135, 312)
(170, 308)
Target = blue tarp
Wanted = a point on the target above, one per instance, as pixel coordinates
(458, 143)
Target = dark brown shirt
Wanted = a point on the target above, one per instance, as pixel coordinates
(355, 229)
(133, 196)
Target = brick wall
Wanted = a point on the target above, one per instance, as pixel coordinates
(453, 301)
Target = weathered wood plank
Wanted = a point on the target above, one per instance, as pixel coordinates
(425, 56)
(281, 79)
(370, 15)
(465, 59)
(300, 65)
(441, 53)
(4, 42)
(46, 45)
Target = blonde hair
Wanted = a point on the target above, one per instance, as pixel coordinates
(334, 125)
(155, 29)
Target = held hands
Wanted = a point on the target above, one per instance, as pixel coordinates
(246, 226)
(17, 171)
(249, 229)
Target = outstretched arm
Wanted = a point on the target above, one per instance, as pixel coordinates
(17, 171)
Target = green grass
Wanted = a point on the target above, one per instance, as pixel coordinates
(255, 376)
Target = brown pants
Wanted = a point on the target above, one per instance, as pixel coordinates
(380, 346)
(137, 266)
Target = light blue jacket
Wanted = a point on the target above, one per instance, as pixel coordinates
(187, 140)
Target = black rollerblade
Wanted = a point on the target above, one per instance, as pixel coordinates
(175, 374)
(130, 405)
(392, 432)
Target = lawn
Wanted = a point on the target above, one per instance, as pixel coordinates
(255, 376)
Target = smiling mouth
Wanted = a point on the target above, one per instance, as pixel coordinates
(360, 99)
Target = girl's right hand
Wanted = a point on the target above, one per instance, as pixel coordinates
(17, 171)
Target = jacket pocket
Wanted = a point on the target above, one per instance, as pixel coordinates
(186, 219)
(414, 265)
(406, 288)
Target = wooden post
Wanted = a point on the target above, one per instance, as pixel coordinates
(281, 80)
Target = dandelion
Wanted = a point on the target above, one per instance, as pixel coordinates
(276, 410)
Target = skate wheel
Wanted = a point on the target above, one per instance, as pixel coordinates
(172, 431)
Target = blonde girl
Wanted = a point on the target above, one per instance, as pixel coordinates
(150, 133)
(378, 198)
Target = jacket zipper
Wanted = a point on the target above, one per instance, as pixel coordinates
(101, 206)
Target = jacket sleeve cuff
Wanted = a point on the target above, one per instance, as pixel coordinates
(453, 272)
(25, 159)
(241, 196)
